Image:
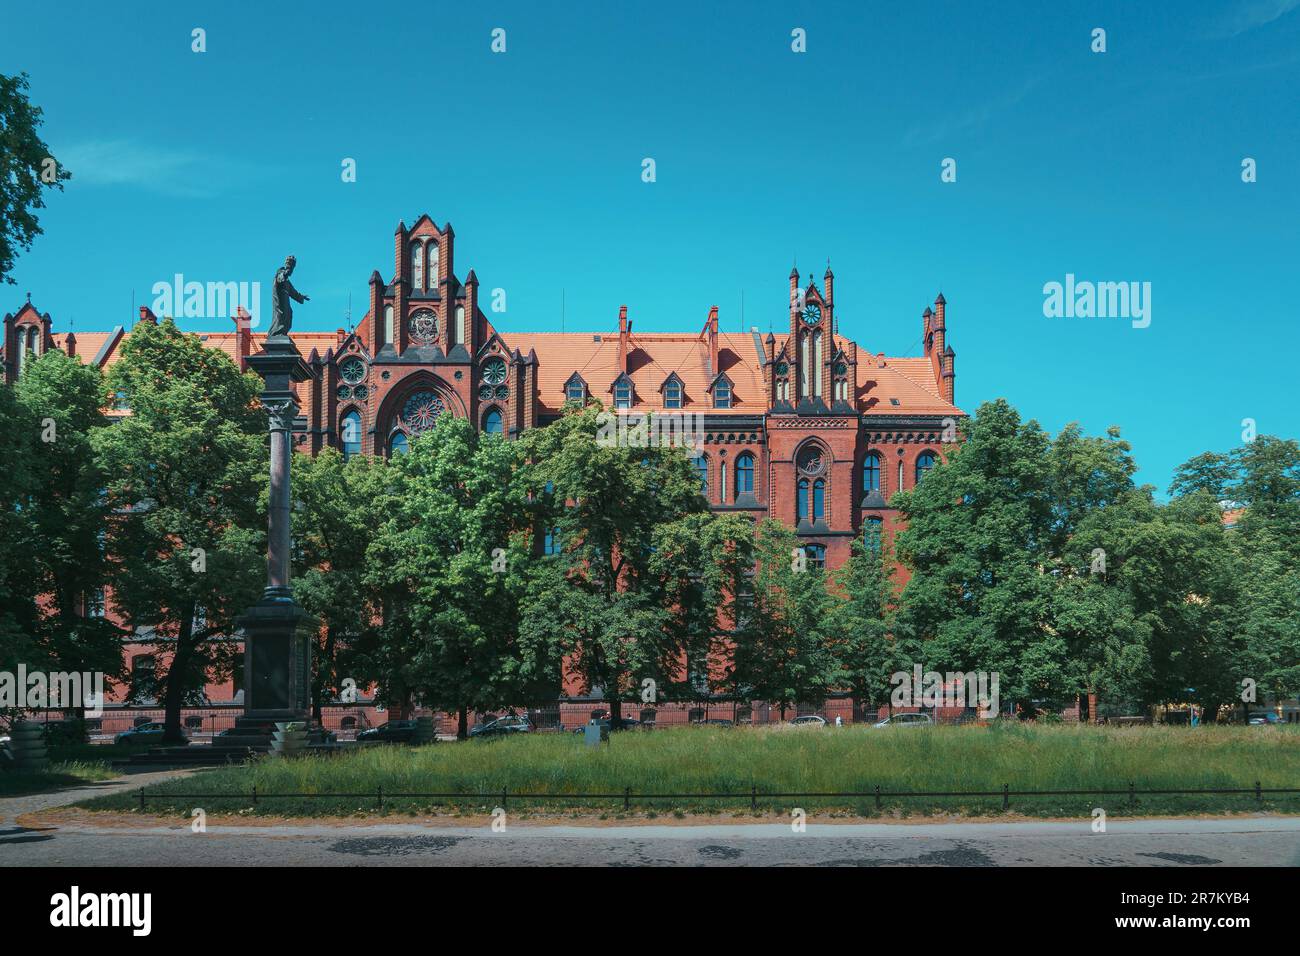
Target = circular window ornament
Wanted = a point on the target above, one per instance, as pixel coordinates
(361, 392)
(502, 392)
(344, 392)
(485, 393)
(782, 368)
(423, 327)
(494, 371)
(421, 411)
(812, 313)
(841, 369)
(811, 461)
(353, 370)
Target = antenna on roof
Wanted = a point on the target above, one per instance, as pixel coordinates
(348, 314)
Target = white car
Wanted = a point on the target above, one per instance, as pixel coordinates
(907, 720)
(808, 720)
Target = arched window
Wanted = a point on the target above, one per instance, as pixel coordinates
(744, 474)
(350, 432)
(388, 326)
(819, 499)
(873, 534)
(492, 422)
(673, 395)
(417, 267)
(433, 266)
(722, 394)
(399, 444)
(803, 499)
(623, 394)
(722, 482)
(575, 391)
(817, 363)
(924, 462)
(871, 472)
(702, 470)
(34, 340)
(459, 328)
(806, 378)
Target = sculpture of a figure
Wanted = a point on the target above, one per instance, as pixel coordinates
(281, 292)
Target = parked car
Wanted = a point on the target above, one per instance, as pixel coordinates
(393, 732)
(1264, 719)
(719, 722)
(808, 720)
(907, 720)
(150, 733)
(503, 726)
(623, 723)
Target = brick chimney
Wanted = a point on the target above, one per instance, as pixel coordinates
(624, 335)
(243, 336)
(70, 344)
(146, 315)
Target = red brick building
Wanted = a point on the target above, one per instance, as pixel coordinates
(806, 426)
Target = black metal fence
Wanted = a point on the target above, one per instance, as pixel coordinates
(753, 796)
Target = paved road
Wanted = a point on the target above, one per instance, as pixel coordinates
(1263, 841)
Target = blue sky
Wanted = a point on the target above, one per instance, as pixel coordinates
(1118, 166)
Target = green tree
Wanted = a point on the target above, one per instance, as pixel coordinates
(604, 497)
(864, 635)
(26, 167)
(978, 540)
(783, 646)
(18, 588)
(186, 477)
(66, 509)
(338, 504)
(449, 561)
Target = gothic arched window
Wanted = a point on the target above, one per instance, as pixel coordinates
(458, 329)
(492, 422)
(817, 363)
(417, 267)
(388, 326)
(744, 474)
(432, 281)
(873, 534)
(803, 499)
(350, 433)
(924, 462)
(702, 470)
(871, 472)
(819, 499)
(399, 444)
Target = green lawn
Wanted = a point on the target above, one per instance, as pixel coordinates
(775, 760)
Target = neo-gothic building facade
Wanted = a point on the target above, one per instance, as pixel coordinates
(805, 427)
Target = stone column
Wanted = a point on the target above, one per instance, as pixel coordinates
(277, 632)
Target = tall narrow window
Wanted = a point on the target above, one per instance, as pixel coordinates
(432, 278)
(575, 392)
(551, 541)
(399, 444)
(461, 337)
(805, 358)
(803, 499)
(871, 472)
(702, 470)
(623, 394)
(492, 422)
(924, 462)
(819, 499)
(673, 395)
(350, 432)
(34, 340)
(744, 474)
(417, 268)
(873, 534)
(817, 363)
(722, 483)
(388, 326)
(722, 394)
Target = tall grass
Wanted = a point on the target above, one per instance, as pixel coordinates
(700, 760)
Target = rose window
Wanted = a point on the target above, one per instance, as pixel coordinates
(353, 370)
(421, 411)
(811, 461)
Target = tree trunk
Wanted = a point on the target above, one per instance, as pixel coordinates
(615, 711)
(174, 697)
(783, 712)
(462, 722)
(324, 674)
